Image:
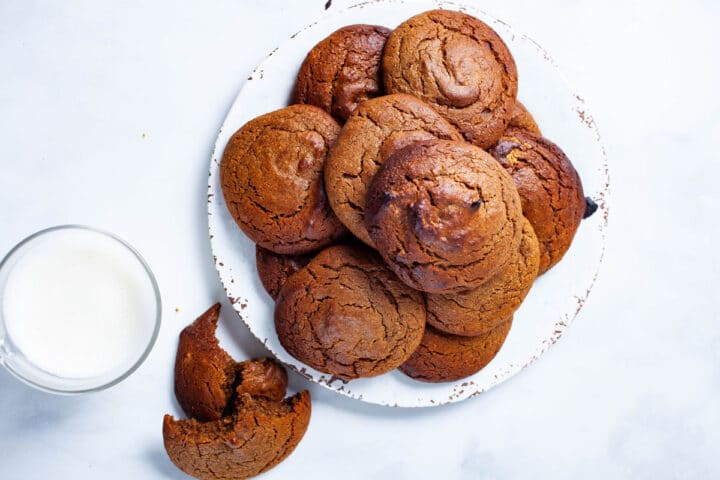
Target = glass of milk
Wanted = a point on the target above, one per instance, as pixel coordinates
(79, 310)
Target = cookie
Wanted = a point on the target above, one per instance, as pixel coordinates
(347, 315)
(206, 377)
(274, 269)
(204, 372)
(444, 215)
(442, 357)
(263, 377)
(590, 207)
(343, 70)
(376, 129)
(523, 120)
(271, 178)
(550, 189)
(258, 435)
(478, 311)
(457, 64)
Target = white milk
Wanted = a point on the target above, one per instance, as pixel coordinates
(78, 304)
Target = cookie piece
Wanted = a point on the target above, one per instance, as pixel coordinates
(523, 120)
(444, 216)
(347, 315)
(204, 372)
(343, 70)
(442, 357)
(460, 66)
(550, 189)
(206, 376)
(376, 129)
(257, 436)
(263, 377)
(274, 269)
(271, 178)
(478, 311)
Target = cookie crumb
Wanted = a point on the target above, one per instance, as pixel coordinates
(328, 4)
(177, 309)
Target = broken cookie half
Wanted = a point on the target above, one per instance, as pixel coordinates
(240, 425)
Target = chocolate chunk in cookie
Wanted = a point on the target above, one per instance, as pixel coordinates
(444, 216)
(204, 372)
(343, 70)
(460, 66)
(374, 131)
(478, 311)
(271, 177)
(550, 190)
(347, 315)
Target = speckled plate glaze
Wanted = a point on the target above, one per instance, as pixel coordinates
(556, 298)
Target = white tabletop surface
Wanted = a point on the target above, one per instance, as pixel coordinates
(108, 114)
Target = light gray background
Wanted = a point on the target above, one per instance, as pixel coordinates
(108, 112)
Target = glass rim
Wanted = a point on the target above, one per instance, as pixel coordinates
(157, 321)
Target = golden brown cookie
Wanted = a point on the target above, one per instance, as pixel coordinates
(523, 120)
(347, 315)
(377, 128)
(271, 177)
(550, 190)
(442, 357)
(206, 376)
(478, 311)
(460, 66)
(258, 435)
(444, 216)
(343, 70)
(274, 269)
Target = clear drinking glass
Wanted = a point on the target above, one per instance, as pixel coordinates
(23, 368)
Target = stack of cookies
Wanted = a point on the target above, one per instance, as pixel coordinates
(404, 204)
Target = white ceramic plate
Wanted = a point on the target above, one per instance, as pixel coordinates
(556, 298)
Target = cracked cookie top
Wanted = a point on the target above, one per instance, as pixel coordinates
(376, 129)
(271, 178)
(274, 269)
(460, 66)
(343, 70)
(347, 315)
(256, 436)
(475, 312)
(442, 357)
(444, 215)
(550, 190)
